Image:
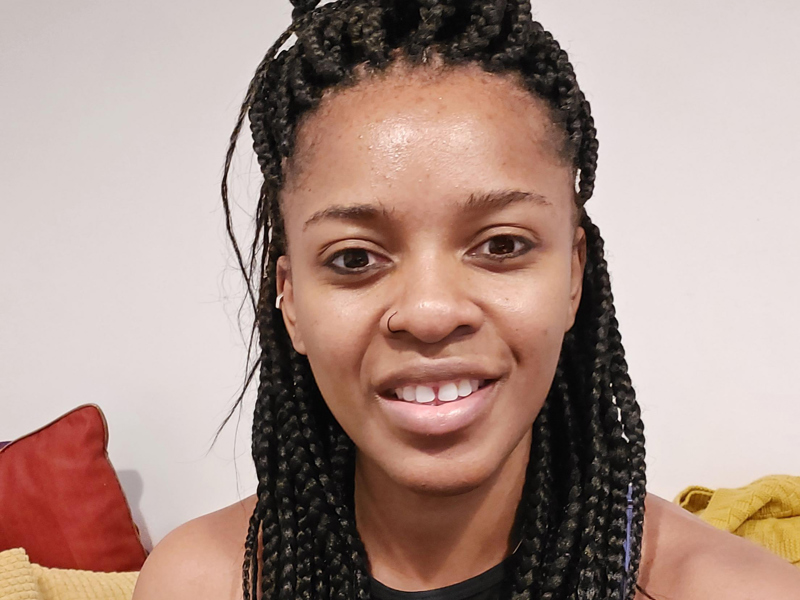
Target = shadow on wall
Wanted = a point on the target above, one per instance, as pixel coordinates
(133, 486)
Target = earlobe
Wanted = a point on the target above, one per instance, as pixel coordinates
(576, 278)
(285, 289)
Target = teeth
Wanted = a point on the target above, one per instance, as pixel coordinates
(448, 392)
(425, 394)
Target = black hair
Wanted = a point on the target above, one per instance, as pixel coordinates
(588, 440)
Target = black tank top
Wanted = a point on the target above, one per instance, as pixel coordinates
(489, 585)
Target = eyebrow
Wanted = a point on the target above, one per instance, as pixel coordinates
(352, 212)
(495, 200)
(475, 202)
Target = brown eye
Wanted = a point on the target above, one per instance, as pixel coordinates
(501, 247)
(502, 244)
(353, 260)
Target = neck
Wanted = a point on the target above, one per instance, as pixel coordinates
(421, 541)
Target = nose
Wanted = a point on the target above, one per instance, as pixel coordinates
(434, 300)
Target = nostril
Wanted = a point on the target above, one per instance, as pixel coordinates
(433, 321)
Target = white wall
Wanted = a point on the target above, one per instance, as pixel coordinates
(117, 285)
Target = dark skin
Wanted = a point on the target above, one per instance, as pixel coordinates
(475, 289)
(479, 290)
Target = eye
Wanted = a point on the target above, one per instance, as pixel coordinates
(502, 247)
(353, 260)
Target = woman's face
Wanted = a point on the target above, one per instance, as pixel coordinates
(439, 202)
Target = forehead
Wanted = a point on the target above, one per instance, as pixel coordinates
(424, 131)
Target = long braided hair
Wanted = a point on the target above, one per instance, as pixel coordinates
(588, 439)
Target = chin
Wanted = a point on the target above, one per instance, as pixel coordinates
(438, 474)
(438, 486)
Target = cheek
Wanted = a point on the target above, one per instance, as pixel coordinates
(337, 330)
(535, 303)
(531, 317)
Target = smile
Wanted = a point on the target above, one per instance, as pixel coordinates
(438, 392)
(436, 416)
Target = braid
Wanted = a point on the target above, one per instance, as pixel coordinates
(588, 439)
(302, 7)
(537, 497)
(432, 16)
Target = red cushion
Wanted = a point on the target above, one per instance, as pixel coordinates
(60, 498)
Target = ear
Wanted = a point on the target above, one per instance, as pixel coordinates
(576, 276)
(283, 281)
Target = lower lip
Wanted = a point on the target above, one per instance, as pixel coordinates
(438, 419)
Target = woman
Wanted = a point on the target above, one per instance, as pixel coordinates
(444, 408)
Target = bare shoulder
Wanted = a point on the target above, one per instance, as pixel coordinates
(200, 559)
(684, 557)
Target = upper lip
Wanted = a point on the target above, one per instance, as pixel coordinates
(434, 371)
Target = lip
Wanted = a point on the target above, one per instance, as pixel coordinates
(439, 419)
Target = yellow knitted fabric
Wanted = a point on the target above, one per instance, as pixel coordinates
(22, 580)
(766, 511)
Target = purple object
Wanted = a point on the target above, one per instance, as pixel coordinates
(4, 444)
(629, 515)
